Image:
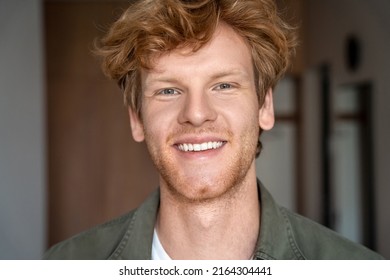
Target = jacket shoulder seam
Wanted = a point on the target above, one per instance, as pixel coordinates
(123, 242)
(291, 238)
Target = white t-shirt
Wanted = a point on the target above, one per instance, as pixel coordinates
(158, 252)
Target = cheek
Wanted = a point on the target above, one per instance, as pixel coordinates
(157, 122)
(244, 115)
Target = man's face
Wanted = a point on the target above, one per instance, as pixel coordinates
(201, 117)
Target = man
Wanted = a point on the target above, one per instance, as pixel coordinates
(198, 78)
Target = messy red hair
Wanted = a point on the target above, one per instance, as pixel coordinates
(151, 27)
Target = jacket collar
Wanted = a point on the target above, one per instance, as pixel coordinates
(275, 241)
(136, 244)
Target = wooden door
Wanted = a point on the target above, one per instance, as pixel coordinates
(96, 171)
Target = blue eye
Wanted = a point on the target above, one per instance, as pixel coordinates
(223, 86)
(168, 91)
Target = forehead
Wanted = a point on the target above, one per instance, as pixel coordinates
(225, 52)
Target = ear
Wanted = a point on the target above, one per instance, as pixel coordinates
(137, 128)
(266, 112)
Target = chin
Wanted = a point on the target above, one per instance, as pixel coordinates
(195, 190)
(198, 184)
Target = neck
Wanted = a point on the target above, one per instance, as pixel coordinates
(224, 228)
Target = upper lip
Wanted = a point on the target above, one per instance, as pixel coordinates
(197, 139)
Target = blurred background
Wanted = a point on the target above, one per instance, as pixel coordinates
(68, 162)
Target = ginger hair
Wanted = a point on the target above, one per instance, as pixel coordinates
(149, 28)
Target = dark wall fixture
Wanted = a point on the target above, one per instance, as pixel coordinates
(353, 53)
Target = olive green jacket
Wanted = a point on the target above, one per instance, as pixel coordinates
(283, 236)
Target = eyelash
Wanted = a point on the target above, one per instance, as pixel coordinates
(164, 91)
(173, 91)
(223, 86)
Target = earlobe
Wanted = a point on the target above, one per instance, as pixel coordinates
(137, 129)
(266, 112)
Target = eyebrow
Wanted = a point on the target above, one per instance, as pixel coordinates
(227, 73)
(215, 76)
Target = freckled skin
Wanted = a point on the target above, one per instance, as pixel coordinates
(207, 94)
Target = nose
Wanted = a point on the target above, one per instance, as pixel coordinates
(197, 109)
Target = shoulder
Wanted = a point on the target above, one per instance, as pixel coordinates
(127, 237)
(318, 242)
(96, 243)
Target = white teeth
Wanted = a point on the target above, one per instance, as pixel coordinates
(199, 147)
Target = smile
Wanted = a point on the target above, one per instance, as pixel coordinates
(200, 147)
